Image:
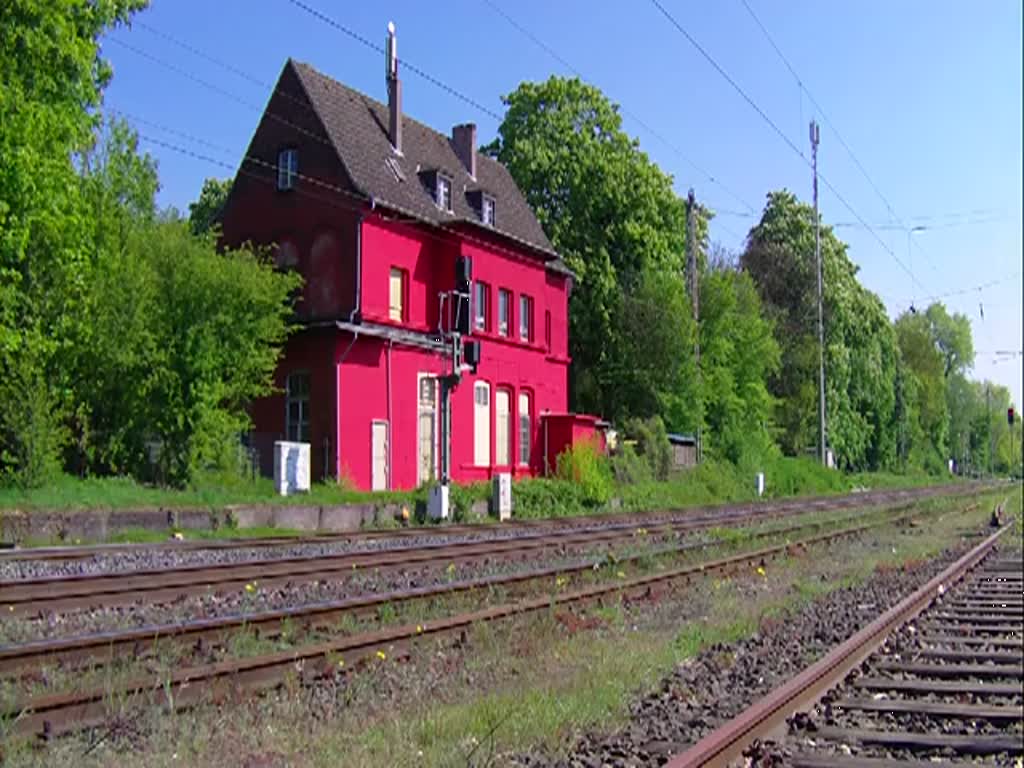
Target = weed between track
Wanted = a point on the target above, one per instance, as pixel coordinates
(529, 680)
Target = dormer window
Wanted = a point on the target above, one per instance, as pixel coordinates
(444, 193)
(487, 207)
(287, 168)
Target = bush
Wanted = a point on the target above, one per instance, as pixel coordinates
(628, 468)
(652, 444)
(548, 497)
(587, 468)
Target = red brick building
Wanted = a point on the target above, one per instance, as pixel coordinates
(374, 208)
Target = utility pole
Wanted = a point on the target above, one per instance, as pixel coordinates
(693, 284)
(988, 410)
(815, 138)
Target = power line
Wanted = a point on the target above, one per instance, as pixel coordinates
(625, 111)
(402, 62)
(771, 123)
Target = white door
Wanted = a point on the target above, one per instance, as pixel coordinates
(426, 447)
(380, 456)
(502, 432)
(481, 424)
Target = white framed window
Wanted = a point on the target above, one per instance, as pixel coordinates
(487, 210)
(482, 424)
(444, 193)
(502, 427)
(525, 433)
(504, 307)
(396, 294)
(525, 317)
(480, 291)
(296, 414)
(287, 168)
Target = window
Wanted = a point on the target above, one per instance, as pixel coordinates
(504, 304)
(487, 207)
(547, 329)
(525, 318)
(480, 306)
(524, 429)
(396, 294)
(287, 168)
(502, 428)
(444, 193)
(482, 424)
(297, 408)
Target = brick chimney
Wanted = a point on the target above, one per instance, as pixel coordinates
(464, 144)
(394, 89)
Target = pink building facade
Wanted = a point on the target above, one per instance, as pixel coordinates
(375, 217)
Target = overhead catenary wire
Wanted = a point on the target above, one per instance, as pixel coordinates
(625, 110)
(782, 135)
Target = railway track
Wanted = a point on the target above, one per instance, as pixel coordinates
(81, 552)
(936, 678)
(52, 714)
(38, 596)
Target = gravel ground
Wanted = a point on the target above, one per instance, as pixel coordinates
(722, 681)
(903, 646)
(359, 582)
(169, 558)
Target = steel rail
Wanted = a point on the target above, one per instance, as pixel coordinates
(52, 714)
(31, 596)
(728, 742)
(90, 550)
(22, 658)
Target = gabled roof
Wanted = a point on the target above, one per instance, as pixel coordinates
(357, 126)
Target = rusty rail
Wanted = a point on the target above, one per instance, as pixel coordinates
(763, 718)
(53, 714)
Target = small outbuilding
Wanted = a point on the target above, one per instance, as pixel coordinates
(684, 450)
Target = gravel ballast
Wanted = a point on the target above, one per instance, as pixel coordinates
(722, 681)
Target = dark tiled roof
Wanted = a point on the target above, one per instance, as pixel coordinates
(358, 128)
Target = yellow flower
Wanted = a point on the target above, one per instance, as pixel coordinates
(381, 655)
(341, 663)
(451, 568)
(761, 571)
(419, 628)
(250, 588)
(621, 574)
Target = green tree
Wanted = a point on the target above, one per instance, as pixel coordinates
(608, 210)
(204, 213)
(926, 442)
(860, 347)
(51, 78)
(739, 354)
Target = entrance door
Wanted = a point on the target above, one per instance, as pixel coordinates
(503, 434)
(380, 456)
(426, 447)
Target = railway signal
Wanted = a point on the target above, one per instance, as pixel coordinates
(1009, 416)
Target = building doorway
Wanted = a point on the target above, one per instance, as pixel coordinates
(379, 479)
(427, 430)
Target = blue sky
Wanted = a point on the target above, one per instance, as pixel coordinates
(927, 94)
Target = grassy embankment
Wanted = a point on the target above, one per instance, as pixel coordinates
(712, 482)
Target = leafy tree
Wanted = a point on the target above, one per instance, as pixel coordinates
(608, 210)
(653, 371)
(204, 213)
(860, 346)
(51, 78)
(952, 335)
(738, 355)
(928, 436)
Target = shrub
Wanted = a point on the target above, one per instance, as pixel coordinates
(652, 444)
(628, 468)
(587, 468)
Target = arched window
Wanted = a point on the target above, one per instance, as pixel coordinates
(482, 424)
